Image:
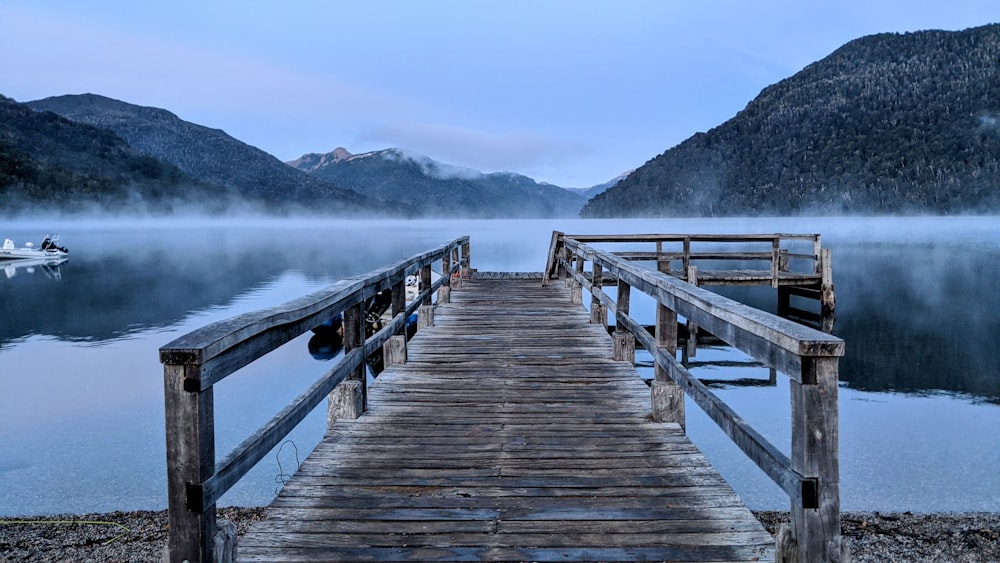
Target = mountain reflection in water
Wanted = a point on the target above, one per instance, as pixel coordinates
(81, 424)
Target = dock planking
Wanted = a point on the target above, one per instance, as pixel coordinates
(508, 435)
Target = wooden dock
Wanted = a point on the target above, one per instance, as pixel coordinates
(512, 427)
(509, 434)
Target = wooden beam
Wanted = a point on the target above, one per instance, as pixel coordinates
(191, 451)
(816, 455)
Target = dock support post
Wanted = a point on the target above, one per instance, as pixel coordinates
(598, 312)
(466, 260)
(456, 280)
(775, 261)
(828, 298)
(395, 347)
(190, 424)
(394, 350)
(425, 317)
(344, 402)
(686, 260)
(551, 263)
(624, 347)
(662, 264)
(691, 350)
(444, 292)
(576, 290)
(815, 529)
(350, 399)
(667, 395)
(567, 257)
(425, 284)
(624, 340)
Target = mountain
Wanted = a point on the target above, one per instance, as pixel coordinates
(50, 163)
(600, 188)
(210, 155)
(438, 189)
(889, 123)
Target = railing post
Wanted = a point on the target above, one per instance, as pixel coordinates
(598, 312)
(561, 270)
(425, 283)
(624, 350)
(425, 314)
(775, 261)
(667, 395)
(691, 350)
(350, 399)
(828, 297)
(552, 258)
(815, 528)
(456, 282)
(783, 260)
(686, 262)
(466, 261)
(817, 255)
(576, 290)
(394, 350)
(444, 292)
(662, 265)
(190, 429)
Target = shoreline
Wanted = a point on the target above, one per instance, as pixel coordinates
(141, 535)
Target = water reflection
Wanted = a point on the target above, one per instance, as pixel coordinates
(916, 317)
(327, 340)
(45, 266)
(125, 281)
(82, 385)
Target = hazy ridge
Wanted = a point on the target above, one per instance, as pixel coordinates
(435, 188)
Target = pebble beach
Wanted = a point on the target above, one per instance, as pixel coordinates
(140, 536)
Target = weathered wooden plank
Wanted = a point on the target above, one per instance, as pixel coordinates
(444, 552)
(507, 436)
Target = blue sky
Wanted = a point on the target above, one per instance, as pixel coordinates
(569, 92)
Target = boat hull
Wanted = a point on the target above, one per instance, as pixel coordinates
(30, 254)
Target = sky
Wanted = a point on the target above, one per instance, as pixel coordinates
(570, 92)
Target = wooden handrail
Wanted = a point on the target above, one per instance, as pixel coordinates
(695, 238)
(777, 255)
(195, 362)
(810, 476)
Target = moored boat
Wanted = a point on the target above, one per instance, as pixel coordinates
(49, 249)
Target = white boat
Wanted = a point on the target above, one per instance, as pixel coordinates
(48, 250)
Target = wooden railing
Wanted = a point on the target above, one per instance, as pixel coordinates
(195, 362)
(810, 476)
(680, 247)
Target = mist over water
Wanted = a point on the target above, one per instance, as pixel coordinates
(81, 413)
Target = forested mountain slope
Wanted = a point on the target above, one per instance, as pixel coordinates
(49, 163)
(890, 123)
(210, 155)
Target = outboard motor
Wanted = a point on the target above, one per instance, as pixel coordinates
(50, 243)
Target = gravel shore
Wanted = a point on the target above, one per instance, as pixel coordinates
(140, 536)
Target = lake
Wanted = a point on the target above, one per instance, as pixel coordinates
(81, 408)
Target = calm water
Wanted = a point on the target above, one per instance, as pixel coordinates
(81, 408)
